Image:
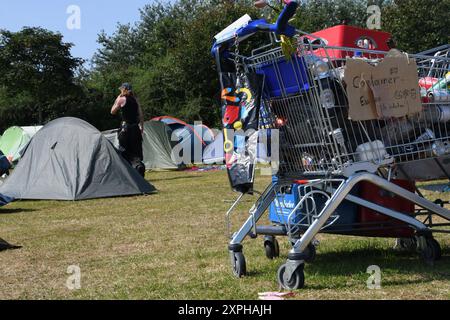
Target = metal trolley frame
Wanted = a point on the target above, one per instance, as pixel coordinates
(321, 147)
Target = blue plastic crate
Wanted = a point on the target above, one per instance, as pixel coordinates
(285, 77)
(279, 211)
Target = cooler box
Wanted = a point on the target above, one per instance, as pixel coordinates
(351, 37)
(284, 77)
(281, 209)
(388, 227)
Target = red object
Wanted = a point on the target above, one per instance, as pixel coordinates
(351, 37)
(388, 227)
(302, 182)
(427, 82)
(280, 122)
(231, 115)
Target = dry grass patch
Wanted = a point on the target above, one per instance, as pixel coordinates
(172, 245)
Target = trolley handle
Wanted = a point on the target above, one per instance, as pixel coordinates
(280, 27)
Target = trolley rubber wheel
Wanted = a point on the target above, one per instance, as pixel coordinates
(272, 248)
(239, 266)
(437, 248)
(297, 281)
(310, 253)
(432, 251)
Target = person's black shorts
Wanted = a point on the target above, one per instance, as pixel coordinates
(130, 139)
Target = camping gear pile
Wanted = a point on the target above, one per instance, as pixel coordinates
(354, 136)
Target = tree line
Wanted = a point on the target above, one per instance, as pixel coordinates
(166, 56)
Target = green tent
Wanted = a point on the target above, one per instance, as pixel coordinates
(157, 146)
(13, 142)
(15, 139)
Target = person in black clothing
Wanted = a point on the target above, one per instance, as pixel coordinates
(132, 126)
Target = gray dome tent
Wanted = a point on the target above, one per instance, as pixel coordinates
(157, 146)
(69, 159)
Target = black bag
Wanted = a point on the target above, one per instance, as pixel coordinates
(240, 115)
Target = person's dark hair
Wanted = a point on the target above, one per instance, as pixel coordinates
(126, 93)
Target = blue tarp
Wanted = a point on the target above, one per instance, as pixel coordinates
(5, 165)
(4, 200)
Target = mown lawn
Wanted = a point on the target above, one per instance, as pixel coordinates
(173, 245)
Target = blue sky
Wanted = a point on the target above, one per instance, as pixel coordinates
(96, 15)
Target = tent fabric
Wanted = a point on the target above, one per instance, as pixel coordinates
(69, 159)
(188, 137)
(14, 140)
(157, 146)
(31, 130)
(205, 137)
(111, 135)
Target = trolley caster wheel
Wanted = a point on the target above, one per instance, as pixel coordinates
(432, 252)
(238, 264)
(437, 248)
(271, 247)
(310, 253)
(297, 280)
(406, 244)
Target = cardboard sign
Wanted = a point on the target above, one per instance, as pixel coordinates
(387, 90)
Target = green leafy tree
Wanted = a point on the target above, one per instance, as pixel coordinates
(172, 69)
(418, 25)
(166, 55)
(315, 15)
(38, 77)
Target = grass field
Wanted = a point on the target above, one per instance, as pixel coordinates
(173, 245)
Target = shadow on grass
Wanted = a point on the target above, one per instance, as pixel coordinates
(173, 178)
(13, 211)
(7, 246)
(254, 273)
(352, 262)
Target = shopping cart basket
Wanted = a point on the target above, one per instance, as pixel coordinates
(326, 156)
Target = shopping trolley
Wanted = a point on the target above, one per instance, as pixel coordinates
(325, 157)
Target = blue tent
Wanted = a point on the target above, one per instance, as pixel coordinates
(186, 137)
